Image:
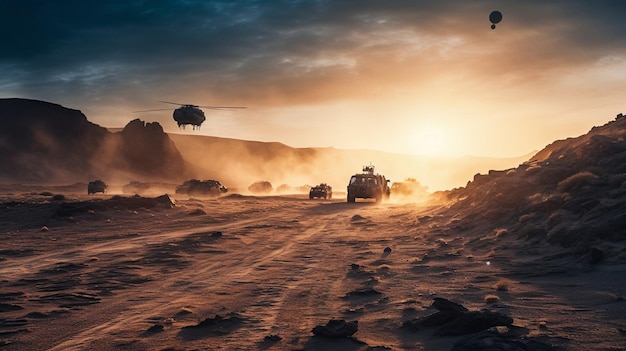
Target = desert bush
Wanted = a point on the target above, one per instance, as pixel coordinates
(58, 197)
(501, 285)
(531, 232)
(501, 232)
(575, 182)
(197, 212)
(536, 197)
(491, 298)
(526, 217)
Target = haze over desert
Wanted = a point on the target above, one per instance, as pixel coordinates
(530, 257)
(311, 175)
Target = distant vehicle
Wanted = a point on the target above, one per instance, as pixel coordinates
(135, 187)
(368, 185)
(409, 187)
(201, 187)
(192, 115)
(322, 190)
(97, 186)
(261, 187)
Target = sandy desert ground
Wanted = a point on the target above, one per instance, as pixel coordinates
(103, 272)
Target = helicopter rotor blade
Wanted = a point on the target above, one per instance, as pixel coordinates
(173, 103)
(160, 109)
(223, 107)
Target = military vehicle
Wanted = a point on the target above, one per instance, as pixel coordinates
(97, 186)
(188, 114)
(368, 185)
(322, 190)
(201, 187)
(261, 187)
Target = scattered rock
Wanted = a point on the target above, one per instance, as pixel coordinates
(58, 197)
(157, 328)
(6, 307)
(496, 339)
(197, 212)
(216, 234)
(337, 328)
(387, 249)
(273, 338)
(366, 292)
(44, 229)
(491, 298)
(454, 319)
(212, 327)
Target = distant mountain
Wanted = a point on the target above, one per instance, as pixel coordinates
(571, 193)
(46, 142)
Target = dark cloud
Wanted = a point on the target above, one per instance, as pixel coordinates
(279, 50)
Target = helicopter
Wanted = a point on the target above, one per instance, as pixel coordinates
(188, 114)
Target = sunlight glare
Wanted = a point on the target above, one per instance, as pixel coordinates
(430, 140)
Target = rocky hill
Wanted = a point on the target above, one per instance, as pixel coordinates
(572, 194)
(46, 142)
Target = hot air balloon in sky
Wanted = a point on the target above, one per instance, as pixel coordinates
(495, 17)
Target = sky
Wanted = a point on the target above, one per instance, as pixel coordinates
(405, 76)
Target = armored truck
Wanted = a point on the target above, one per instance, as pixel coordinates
(368, 185)
(322, 190)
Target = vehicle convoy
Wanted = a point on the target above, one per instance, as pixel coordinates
(368, 185)
(322, 190)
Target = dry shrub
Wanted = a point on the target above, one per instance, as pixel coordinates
(58, 197)
(533, 169)
(502, 285)
(575, 182)
(526, 217)
(501, 232)
(537, 197)
(492, 298)
(197, 212)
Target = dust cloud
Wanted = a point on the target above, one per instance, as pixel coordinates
(239, 163)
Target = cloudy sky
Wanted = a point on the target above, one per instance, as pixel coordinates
(410, 76)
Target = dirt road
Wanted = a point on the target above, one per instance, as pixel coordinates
(271, 268)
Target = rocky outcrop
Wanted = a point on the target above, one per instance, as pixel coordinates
(572, 193)
(40, 141)
(336, 328)
(453, 319)
(146, 150)
(46, 142)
